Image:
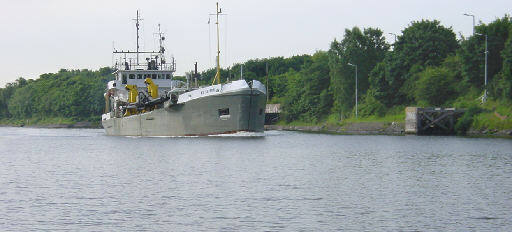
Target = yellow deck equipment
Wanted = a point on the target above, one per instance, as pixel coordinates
(132, 98)
(152, 88)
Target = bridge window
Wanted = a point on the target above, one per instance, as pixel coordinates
(224, 111)
(168, 76)
(139, 76)
(124, 81)
(153, 76)
(148, 76)
(132, 76)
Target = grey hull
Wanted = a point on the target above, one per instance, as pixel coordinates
(196, 117)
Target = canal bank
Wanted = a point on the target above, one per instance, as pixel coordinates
(377, 128)
(53, 125)
(354, 128)
(351, 128)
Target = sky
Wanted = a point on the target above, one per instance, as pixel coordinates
(44, 36)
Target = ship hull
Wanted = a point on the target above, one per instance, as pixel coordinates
(201, 116)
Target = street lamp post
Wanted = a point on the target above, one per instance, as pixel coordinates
(485, 75)
(393, 34)
(473, 21)
(356, 84)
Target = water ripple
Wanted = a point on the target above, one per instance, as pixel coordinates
(75, 180)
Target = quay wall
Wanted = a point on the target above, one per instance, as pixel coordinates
(377, 128)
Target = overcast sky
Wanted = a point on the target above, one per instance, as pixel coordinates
(42, 36)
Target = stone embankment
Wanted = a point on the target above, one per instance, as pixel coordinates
(360, 128)
(378, 128)
(490, 132)
(83, 124)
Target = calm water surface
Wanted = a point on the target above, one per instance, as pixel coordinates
(82, 180)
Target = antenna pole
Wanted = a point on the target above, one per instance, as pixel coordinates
(161, 50)
(137, 26)
(266, 72)
(161, 39)
(217, 75)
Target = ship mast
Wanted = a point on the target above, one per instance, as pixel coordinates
(153, 55)
(161, 39)
(137, 26)
(217, 75)
(161, 51)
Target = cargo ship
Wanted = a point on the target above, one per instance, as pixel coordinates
(146, 100)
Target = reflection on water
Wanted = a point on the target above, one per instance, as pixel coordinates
(79, 179)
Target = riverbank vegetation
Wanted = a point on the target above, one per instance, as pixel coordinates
(427, 66)
(66, 97)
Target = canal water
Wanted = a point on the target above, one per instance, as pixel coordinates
(82, 180)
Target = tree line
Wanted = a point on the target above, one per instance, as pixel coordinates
(74, 94)
(426, 66)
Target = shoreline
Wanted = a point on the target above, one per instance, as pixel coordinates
(77, 125)
(379, 128)
(359, 128)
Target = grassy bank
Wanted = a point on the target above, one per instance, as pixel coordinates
(396, 115)
(494, 116)
(490, 118)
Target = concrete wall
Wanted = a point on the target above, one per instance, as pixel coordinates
(411, 122)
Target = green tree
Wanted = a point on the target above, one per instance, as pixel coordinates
(423, 43)
(68, 93)
(256, 69)
(293, 105)
(435, 86)
(363, 48)
(504, 84)
(370, 106)
(308, 98)
(6, 94)
(379, 84)
(472, 51)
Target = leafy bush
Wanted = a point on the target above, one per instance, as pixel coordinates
(465, 122)
(371, 106)
(435, 86)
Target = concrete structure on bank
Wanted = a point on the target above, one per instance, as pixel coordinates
(431, 120)
(272, 112)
